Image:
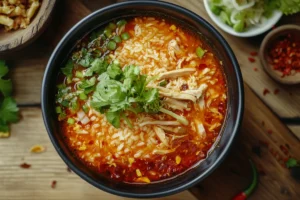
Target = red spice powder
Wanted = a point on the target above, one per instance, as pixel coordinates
(284, 55)
(25, 166)
(53, 184)
(276, 91)
(266, 91)
(251, 59)
(254, 53)
(255, 69)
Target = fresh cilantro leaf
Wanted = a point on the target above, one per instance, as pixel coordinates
(292, 162)
(99, 65)
(5, 85)
(9, 110)
(67, 70)
(3, 127)
(114, 71)
(113, 118)
(88, 83)
(86, 60)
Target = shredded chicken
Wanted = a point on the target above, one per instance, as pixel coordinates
(160, 133)
(164, 123)
(176, 104)
(198, 92)
(176, 95)
(174, 49)
(177, 130)
(176, 73)
(200, 129)
(162, 151)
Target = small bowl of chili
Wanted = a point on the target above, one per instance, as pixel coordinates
(280, 54)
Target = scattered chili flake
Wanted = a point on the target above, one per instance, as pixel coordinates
(254, 53)
(284, 149)
(255, 69)
(266, 91)
(251, 59)
(284, 54)
(184, 87)
(276, 91)
(270, 131)
(25, 166)
(53, 184)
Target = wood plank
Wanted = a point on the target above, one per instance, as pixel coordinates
(295, 129)
(35, 183)
(283, 104)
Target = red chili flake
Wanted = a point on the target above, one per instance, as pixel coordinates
(91, 142)
(255, 69)
(276, 91)
(284, 55)
(25, 166)
(202, 66)
(266, 91)
(53, 184)
(270, 131)
(254, 53)
(184, 87)
(284, 149)
(251, 59)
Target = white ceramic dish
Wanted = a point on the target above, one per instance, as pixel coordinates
(252, 31)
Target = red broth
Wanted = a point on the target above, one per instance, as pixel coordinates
(139, 151)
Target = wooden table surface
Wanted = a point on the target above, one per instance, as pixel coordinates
(263, 137)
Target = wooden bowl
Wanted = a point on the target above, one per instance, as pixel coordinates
(263, 53)
(15, 40)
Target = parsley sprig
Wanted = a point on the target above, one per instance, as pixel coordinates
(8, 107)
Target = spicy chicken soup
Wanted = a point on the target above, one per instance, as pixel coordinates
(141, 100)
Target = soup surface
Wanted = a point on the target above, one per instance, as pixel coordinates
(141, 100)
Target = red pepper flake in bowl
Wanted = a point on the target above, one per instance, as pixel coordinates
(266, 91)
(53, 184)
(251, 59)
(254, 53)
(25, 166)
(284, 55)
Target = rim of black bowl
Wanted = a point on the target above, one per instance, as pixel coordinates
(240, 97)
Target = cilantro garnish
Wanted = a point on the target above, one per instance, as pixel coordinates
(8, 106)
(292, 162)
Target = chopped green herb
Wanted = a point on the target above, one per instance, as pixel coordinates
(58, 109)
(292, 162)
(163, 83)
(67, 70)
(79, 74)
(107, 32)
(82, 96)
(99, 65)
(111, 45)
(117, 39)
(112, 26)
(88, 83)
(200, 52)
(85, 108)
(121, 23)
(71, 121)
(125, 36)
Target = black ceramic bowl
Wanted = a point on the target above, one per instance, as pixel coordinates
(188, 19)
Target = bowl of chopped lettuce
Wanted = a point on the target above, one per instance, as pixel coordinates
(247, 18)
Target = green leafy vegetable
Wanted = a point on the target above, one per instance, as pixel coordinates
(5, 85)
(289, 7)
(88, 83)
(8, 107)
(200, 52)
(67, 70)
(292, 162)
(99, 65)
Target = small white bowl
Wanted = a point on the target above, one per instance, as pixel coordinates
(250, 32)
